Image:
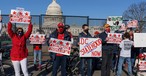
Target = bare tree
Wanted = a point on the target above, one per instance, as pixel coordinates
(138, 12)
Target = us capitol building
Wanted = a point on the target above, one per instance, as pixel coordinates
(53, 17)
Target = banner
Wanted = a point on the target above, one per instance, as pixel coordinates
(142, 65)
(139, 39)
(132, 24)
(115, 38)
(60, 46)
(20, 16)
(37, 39)
(90, 47)
(114, 22)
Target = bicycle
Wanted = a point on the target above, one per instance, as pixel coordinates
(5, 68)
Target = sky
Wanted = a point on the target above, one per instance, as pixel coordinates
(92, 8)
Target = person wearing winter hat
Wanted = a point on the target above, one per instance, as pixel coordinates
(59, 59)
(19, 51)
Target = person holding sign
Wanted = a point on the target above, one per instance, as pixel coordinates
(138, 64)
(125, 54)
(37, 52)
(107, 52)
(59, 59)
(19, 51)
(85, 34)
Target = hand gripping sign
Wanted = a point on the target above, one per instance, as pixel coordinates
(59, 46)
(115, 38)
(37, 38)
(90, 47)
(20, 16)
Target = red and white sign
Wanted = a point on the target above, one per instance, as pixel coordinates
(60, 46)
(123, 27)
(90, 47)
(132, 23)
(20, 16)
(115, 38)
(142, 65)
(37, 38)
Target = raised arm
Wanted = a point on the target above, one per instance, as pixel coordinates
(28, 33)
(10, 32)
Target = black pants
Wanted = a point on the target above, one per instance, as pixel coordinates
(107, 56)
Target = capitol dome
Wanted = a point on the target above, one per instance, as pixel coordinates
(54, 9)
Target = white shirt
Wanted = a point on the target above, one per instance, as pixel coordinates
(125, 46)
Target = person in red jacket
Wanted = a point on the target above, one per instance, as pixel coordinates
(19, 52)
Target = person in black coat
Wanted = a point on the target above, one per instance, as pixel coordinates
(107, 52)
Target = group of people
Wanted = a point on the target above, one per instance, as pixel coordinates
(126, 50)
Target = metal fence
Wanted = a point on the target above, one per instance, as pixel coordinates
(38, 20)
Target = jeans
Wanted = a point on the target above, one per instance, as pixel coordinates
(121, 60)
(39, 54)
(106, 62)
(89, 66)
(59, 60)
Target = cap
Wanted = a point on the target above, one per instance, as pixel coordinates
(141, 55)
(60, 24)
(106, 25)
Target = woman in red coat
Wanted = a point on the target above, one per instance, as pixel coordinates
(19, 52)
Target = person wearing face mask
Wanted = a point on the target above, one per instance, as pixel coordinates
(107, 52)
(19, 51)
(85, 34)
(59, 59)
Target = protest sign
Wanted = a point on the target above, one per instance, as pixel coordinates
(20, 16)
(123, 27)
(139, 39)
(90, 47)
(115, 38)
(132, 24)
(59, 46)
(37, 39)
(114, 22)
(142, 65)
